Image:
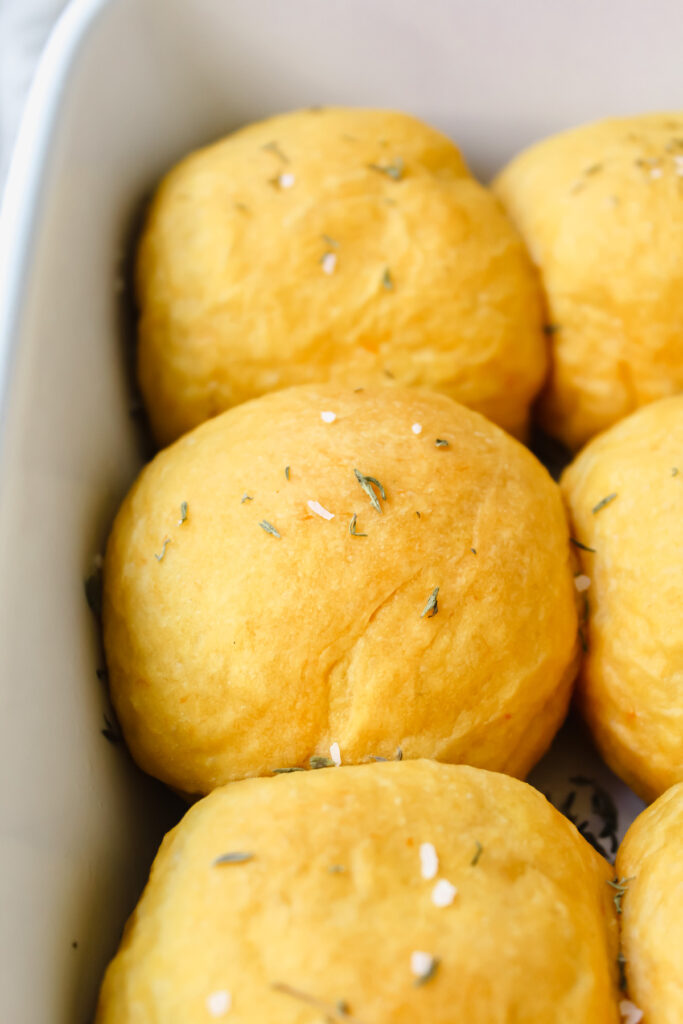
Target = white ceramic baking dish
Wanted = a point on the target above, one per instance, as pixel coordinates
(124, 89)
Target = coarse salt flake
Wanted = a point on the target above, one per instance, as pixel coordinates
(329, 262)
(421, 963)
(443, 893)
(335, 754)
(286, 180)
(582, 583)
(328, 417)
(218, 1003)
(630, 1013)
(656, 172)
(417, 428)
(429, 861)
(316, 507)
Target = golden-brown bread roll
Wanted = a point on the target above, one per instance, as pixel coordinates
(336, 244)
(413, 893)
(601, 209)
(625, 497)
(650, 869)
(271, 591)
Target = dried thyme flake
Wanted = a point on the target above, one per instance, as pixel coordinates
(674, 470)
(246, 497)
(441, 443)
(477, 853)
(620, 886)
(287, 771)
(352, 527)
(367, 483)
(286, 472)
(159, 557)
(112, 730)
(269, 528)
(332, 1011)
(274, 148)
(399, 754)
(318, 761)
(432, 606)
(473, 550)
(393, 170)
(604, 501)
(422, 979)
(183, 513)
(331, 242)
(93, 592)
(234, 857)
(387, 280)
(336, 869)
(578, 544)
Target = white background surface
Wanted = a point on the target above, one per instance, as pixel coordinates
(24, 28)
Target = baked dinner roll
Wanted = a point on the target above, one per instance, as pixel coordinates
(601, 209)
(337, 574)
(625, 496)
(381, 894)
(343, 245)
(650, 869)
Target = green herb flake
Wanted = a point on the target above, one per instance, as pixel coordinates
(583, 547)
(112, 730)
(246, 497)
(269, 528)
(318, 761)
(674, 471)
(473, 550)
(287, 771)
(394, 170)
(352, 527)
(604, 501)
(477, 853)
(336, 869)
(440, 443)
(387, 280)
(274, 148)
(429, 974)
(338, 1011)
(399, 754)
(159, 557)
(432, 606)
(331, 242)
(367, 483)
(620, 886)
(183, 513)
(93, 592)
(234, 857)
(286, 472)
